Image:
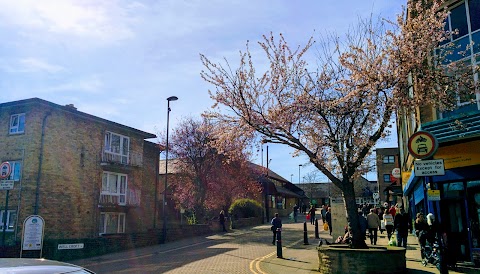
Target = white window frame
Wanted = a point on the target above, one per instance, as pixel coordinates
(387, 158)
(122, 152)
(15, 129)
(115, 184)
(11, 217)
(106, 219)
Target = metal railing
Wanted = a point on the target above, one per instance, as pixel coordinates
(133, 159)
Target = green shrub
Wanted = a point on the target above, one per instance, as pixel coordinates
(245, 208)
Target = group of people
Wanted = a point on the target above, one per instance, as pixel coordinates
(392, 219)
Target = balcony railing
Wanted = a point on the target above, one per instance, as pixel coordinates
(133, 159)
(132, 198)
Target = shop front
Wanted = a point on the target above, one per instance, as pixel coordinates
(457, 207)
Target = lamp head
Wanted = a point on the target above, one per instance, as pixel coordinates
(172, 98)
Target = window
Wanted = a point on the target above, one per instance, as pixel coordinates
(117, 145)
(16, 170)
(389, 159)
(386, 178)
(115, 184)
(11, 216)
(112, 222)
(17, 123)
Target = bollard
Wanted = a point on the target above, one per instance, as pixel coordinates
(316, 229)
(305, 236)
(279, 243)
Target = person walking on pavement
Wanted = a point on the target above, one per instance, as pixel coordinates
(421, 229)
(295, 212)
(222, 220)
(388, 220)
(276, 224)
(312, 214)
(373, 223)
(328, 218)
(402, 225)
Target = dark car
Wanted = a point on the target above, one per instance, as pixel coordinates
(422, 148)
(38, 266)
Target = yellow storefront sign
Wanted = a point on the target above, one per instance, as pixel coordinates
(433, 195)
(460, 155)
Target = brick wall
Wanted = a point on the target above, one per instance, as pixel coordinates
(342, 259)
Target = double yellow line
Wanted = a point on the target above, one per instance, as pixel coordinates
(255, 264)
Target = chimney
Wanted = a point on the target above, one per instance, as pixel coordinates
(71, 106)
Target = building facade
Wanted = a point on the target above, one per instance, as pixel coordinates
(87, 177)
(390, 187)
(454, 197)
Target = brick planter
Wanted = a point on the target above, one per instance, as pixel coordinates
(342, 259)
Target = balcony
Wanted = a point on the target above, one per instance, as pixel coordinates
(130, 199)
(133, 159)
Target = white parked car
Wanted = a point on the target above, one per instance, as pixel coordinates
(38, 266)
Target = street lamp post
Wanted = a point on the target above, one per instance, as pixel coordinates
(164, 229)
(291, 178)
(299, 166)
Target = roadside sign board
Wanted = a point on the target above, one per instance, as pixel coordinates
(5, 170)
(433, 195)
(33, 233)
(429, 167)
(71, 246)
(6, 184)
(422, 145)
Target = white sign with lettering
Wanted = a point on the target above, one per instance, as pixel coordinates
(429, 167)
(71, 246)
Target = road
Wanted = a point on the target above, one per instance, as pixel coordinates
(239, 251)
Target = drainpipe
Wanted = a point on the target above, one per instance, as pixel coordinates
(40, 160)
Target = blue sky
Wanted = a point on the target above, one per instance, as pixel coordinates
(120, 59)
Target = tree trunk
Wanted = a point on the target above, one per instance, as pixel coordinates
(358, 240)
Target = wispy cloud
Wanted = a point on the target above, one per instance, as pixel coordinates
(100, 21)
(29, 65)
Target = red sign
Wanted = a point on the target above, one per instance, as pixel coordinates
(422, 145)
(5, 170)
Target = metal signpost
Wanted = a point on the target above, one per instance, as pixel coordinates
(5, 171)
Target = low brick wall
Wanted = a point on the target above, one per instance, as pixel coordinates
(246, 222)
(335, 259)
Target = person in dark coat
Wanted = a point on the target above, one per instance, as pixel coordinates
(312, 214)
(328, 218)
(221, 218)
(363, 224)
(402, 225)
(276, 224)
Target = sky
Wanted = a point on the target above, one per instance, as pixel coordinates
(120, 60)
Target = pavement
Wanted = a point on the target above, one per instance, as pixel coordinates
(300, 258)
(246, 250)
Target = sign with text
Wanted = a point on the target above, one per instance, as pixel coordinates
(429, 167)
(71, 246)
(433, 195)
(6, 184)
(33, 233)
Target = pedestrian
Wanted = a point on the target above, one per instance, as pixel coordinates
(222, 220)
(295, 212)
(373, 224)
(324, 212)
(437, 232)
(276, 224)
(328, 218)
(304, 209)
(421, 228)
(402, 225)
(393, 211)
(363, 224)
(388, 220)
(312, 214)
(380, 216)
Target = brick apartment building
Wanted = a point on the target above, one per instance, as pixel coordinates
(87, 177)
